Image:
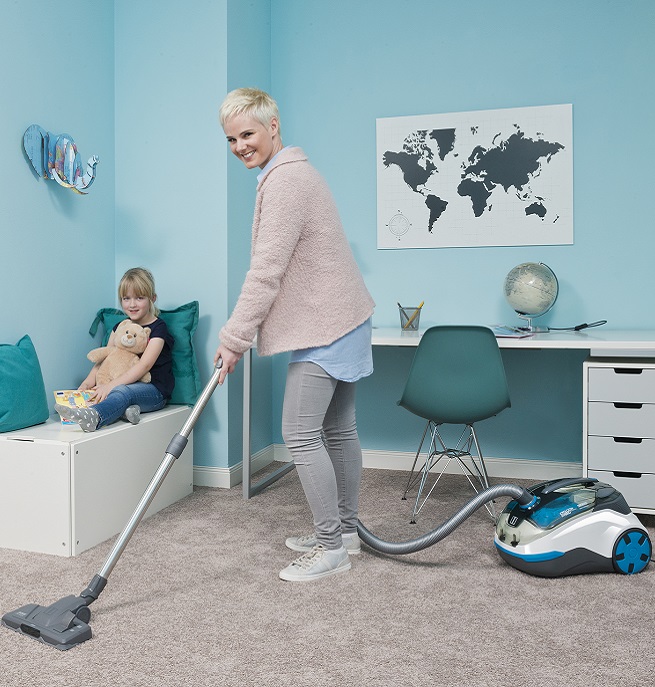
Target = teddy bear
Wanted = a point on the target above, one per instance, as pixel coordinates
(130, 340)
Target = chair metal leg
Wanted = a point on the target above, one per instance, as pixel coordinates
(434, 456)
(476, 472)
(491, 505)
(410, 482)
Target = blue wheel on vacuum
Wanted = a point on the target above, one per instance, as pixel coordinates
(632, 552)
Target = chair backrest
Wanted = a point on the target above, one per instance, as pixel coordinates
(457, 376)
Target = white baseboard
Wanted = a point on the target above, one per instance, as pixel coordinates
(226, 478)
(391, 460)
(496, 467)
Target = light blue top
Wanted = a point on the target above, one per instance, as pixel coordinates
(268, 165)
(347, 359)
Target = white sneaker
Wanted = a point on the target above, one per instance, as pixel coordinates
(316, 563)
(307, 542)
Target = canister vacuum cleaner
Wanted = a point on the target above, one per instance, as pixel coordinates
(577, 526)
(555, 528)
(562, 527)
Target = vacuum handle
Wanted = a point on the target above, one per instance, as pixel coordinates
(202, 401)
(553, 486)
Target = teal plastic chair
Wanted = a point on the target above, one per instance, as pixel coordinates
(457, 378)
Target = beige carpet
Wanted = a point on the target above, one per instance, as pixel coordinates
(195, 600)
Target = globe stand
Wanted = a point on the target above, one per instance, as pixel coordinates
(529, 327)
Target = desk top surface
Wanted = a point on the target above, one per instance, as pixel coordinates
(598, 340)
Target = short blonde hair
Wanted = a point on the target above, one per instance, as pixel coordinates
(141, 282)
(252, 102)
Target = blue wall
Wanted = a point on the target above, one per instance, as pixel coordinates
(338, 66)
(171, 183)
(249, 62)
(56, 247)
(169, 195)
(174, 197)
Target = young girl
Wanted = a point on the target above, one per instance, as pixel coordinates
(125, 396)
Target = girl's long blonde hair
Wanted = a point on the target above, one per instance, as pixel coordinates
(141, 282)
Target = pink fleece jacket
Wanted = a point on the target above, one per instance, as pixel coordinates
(303, 288)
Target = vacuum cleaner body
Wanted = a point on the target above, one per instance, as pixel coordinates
(576, 526)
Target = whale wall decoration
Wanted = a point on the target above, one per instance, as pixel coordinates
(55, 156)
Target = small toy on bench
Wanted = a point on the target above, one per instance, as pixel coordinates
(72, 398)
(130, 340)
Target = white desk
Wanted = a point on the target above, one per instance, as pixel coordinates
(599, 341)
(627, 465)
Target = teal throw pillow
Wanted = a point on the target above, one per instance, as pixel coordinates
(23, 401)
(182, 323)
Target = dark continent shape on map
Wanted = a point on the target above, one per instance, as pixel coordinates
(514, 162)
(536, 209)
(413, 174)
(478, 192)
(436, 206)
(510, 164)
(445, 139)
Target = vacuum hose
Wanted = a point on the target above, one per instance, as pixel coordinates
(523, 496)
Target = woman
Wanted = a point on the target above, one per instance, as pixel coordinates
(303, 293)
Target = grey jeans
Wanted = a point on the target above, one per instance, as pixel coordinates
(320, 431)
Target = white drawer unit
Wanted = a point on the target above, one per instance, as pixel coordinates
(63, 491)
(619, 427)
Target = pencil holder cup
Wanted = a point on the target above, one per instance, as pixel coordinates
(409, 318)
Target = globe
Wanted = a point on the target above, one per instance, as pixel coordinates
(531, 288)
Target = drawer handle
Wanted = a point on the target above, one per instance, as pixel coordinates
(634, 406)
(627, 371)
(630, 475)
(627, 440)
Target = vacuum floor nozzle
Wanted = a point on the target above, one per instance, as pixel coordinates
(63, 624)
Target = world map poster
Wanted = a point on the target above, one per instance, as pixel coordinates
(483, 178)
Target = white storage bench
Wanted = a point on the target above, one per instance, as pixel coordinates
(63, 490)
